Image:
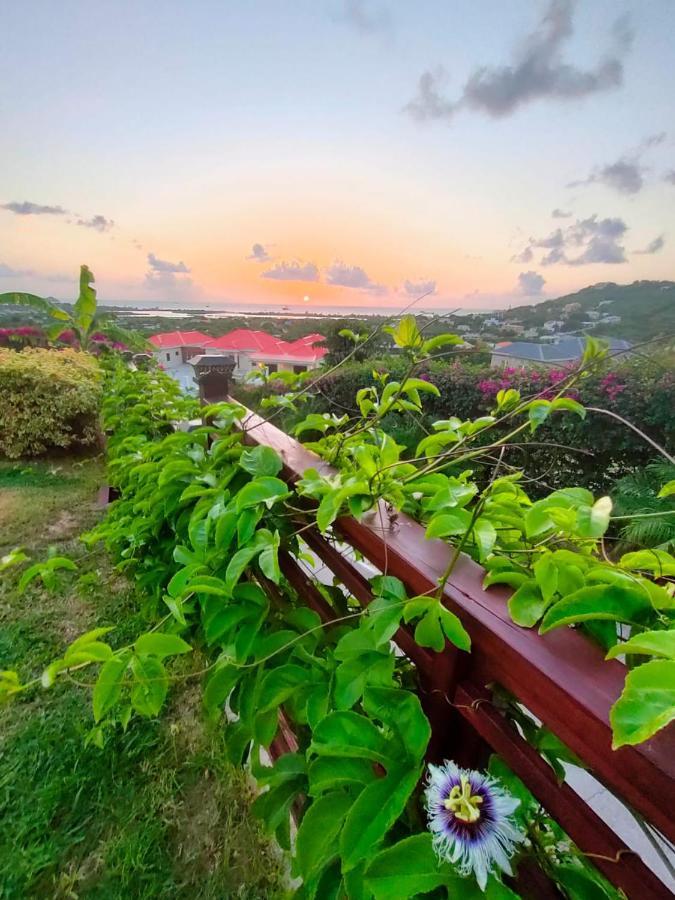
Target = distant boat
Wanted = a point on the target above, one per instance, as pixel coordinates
(285, 308)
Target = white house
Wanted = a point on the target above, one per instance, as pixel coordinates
(250, 349)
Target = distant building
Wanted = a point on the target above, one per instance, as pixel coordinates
(553, 325)
(567, 350)
(250, 348)
(492, 322)
(610, 320)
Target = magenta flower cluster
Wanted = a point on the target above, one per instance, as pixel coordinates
(611, 385)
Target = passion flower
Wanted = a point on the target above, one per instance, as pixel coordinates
(470, 816)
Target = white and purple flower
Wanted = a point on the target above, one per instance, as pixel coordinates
(471, 819)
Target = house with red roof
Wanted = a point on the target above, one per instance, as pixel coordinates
(251, 349)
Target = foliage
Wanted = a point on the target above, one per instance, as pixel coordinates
(81, 326)
(592, 452)
(640, 496)
(48, 399)
(207, 528)
(158, 812)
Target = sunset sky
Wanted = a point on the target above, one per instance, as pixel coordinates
(351, 152)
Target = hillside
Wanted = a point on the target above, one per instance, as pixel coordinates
(646, 308)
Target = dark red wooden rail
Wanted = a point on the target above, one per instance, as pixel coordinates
(561, 677)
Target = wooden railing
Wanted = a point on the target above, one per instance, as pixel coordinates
(561, 678)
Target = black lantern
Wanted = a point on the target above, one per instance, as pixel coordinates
(213, 374)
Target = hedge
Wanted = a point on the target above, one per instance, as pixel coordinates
(48, 399)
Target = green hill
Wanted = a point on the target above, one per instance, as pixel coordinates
(646, 308)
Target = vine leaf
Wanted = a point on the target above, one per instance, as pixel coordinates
(646, 704)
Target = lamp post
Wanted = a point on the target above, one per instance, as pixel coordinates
(212, 375)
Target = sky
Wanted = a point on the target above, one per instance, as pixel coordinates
(336, 152)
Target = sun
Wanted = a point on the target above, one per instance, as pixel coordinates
(306, 299)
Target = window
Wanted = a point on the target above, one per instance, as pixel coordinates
(168, 357)
(299, 369)
(272, 367)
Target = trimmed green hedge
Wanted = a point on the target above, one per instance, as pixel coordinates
(48, 399)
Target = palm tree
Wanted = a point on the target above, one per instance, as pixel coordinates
(637, 495)
(85, 320)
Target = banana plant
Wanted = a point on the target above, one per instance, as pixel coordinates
(84, 321)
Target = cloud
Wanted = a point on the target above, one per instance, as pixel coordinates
(531, 283)
(652, 247)
(625, 175)
(536, 72)
(9, 272)
(561, 214)
(259, 254)
(365, 16)
(98, 223)
(33, 209)
(293, 271)
(670, 176)
(343, 275)
(417, 288)
(162, 265)
(585, 242)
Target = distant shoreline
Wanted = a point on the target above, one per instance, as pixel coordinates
(328, 312)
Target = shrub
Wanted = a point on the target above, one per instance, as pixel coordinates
(48, 398)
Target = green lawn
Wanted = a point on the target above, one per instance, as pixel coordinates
(156, 813)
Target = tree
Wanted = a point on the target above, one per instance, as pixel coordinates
(85, 321)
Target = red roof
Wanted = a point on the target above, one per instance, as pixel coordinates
(181, 339)
(260, 342)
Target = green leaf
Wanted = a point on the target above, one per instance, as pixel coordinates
(527, 605)
(316, 842)
(653, 643)
(329, 774)
(207, 584)
(265, 490)
(247, 523)
(455, 522)
(269, 560)
(177, 586)
(611, 602)
(546, 574)
(280, 683)
(570, 405)
(441, 340)
(538, 411)
(409, 868)
(401, 711)
(354, 674)
(261, 460)
(85, 305)
(150, 685)
(328, 509)
(406, 334)
(646, 705)
(108, 687)
(667, 490)
(91, 651)
(161, 645)
(375, 811)
(239, 563)
(219, 686)
(504, 576)
(348, 734)
(485, 536)
(35, 302)
(226, 527)
(593, 521)
(581, 883)
(656, 561)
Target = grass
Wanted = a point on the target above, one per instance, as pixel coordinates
(157, 812)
